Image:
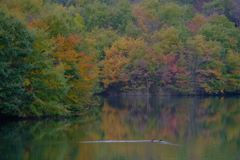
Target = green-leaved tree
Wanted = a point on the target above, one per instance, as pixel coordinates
(16, 44)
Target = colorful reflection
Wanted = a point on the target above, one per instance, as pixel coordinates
(206, 128)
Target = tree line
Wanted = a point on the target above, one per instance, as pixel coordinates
(55, 54)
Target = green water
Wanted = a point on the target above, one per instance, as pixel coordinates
(204, 128)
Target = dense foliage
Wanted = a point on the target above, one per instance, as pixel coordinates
(55, 54)
(16, 44)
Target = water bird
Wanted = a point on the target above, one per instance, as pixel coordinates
(160, 140)
(153, 140)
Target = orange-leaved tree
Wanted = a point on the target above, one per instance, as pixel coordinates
(80, 70)
(121, 66)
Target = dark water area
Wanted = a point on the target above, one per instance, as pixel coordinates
(121, 128)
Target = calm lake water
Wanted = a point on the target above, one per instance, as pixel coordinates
(192, 128)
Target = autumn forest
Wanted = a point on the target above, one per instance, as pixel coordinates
(56, 54)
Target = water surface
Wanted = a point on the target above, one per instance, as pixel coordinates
(199, 128)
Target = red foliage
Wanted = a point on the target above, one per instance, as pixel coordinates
(172, 67)
(192, 27)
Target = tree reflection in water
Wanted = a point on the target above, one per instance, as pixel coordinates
(203, 126)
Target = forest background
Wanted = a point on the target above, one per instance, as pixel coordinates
(55, 54)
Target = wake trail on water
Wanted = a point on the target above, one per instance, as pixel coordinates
(130, 141)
